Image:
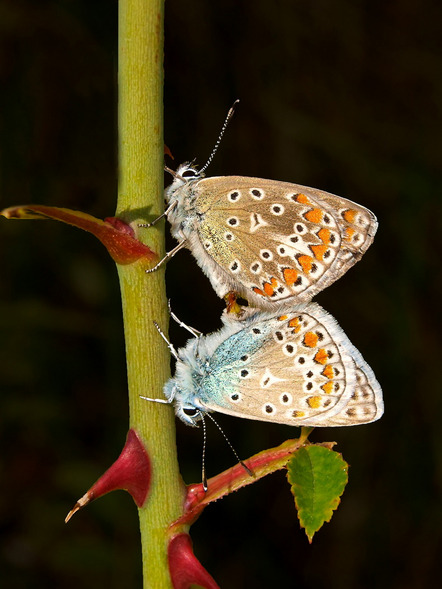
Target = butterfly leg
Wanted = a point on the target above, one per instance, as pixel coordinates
(165, 401)
(169, 345)
(152, 223)
(168, 256)
(155, 221)
(191, 330)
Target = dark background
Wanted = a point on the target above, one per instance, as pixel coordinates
(343, 96)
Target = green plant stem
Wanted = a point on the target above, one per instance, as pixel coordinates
(143, 295)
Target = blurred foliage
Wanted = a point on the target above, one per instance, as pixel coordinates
(343, 96)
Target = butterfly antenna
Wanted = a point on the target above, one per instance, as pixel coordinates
(169, 345)
(243, 464)
(203, 458)
(220, 136)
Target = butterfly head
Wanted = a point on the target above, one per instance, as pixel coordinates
(184, 175)
(189, 172)
(178, 394)
(189, 414)
(180, 390)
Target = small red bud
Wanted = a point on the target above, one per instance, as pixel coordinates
(195, 495)
(120, 225)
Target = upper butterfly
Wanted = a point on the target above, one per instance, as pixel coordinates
(271, 242)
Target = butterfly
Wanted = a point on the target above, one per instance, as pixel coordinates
(269, 242)
(297, 368)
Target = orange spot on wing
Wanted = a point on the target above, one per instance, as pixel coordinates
(349, 232)
(298, 413)
(305, 263)
(259, 291)
(349, 215)
(282, 317)
(268, 289)
(327, 387)
(290, 276)
(324, 235)
(314, 402)
(295, 323)
(328, 371)
(302, 199)
(314, 216)
(321, 356)
(319, 251)
(311, 339)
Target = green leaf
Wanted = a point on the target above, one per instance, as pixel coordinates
(318, 477)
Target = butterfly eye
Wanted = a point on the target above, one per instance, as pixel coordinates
(190, 173)
(190, 411)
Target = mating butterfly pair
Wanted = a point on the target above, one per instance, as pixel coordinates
(275, 244)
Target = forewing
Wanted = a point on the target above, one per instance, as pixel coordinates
(278, 240)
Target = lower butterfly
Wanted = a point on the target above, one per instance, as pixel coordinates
(298, 368)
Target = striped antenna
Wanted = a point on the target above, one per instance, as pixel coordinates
(220, 136)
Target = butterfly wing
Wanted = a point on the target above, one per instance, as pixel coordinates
(274, 241)
(297, 369)
(366, 403)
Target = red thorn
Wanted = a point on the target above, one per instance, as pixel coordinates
(167, 151)
(130, 472)
(184, 568)
(115, 234)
